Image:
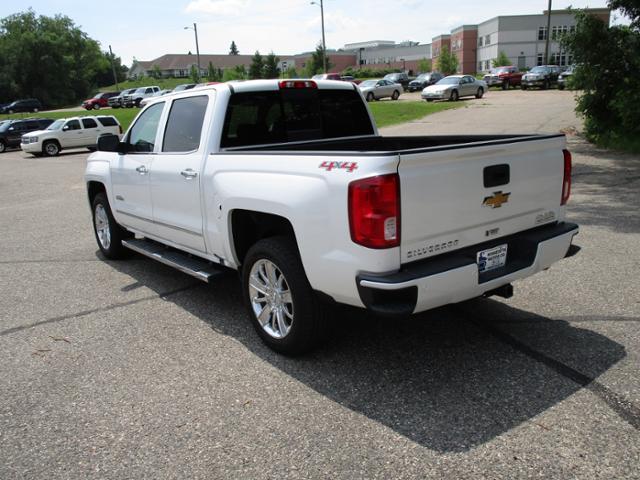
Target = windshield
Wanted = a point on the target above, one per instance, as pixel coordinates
(392, 76)
(4, 125)
(57, 125)
(539, 70)
(449, 81)
(140, 90)
(424, 76)
(318, 77)
(98, 95)
(368, 83)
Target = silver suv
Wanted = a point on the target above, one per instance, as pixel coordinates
(134, 99)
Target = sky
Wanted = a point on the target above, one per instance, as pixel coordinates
(147, 29)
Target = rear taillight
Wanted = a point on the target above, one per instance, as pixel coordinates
(566, 182)
(374, 211)
(298, 84)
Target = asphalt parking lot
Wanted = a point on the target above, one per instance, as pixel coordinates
(133, 370)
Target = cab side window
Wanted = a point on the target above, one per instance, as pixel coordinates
(184, 125)
(72, 125)
(142, 137)
(89, 123)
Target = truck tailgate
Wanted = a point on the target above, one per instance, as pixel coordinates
(460, 196)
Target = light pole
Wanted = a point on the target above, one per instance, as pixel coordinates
(113, 69)
(195, 30)
(546, 45)
(324, 45)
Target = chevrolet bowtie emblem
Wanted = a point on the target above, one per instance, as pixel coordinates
(496, 200)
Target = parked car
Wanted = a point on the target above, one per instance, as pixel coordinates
(349, 78)
(184, 86)
(504, 77)
(77, 132)
(25, 105)
(144, 101)
(310, 211)
(543, 76)
(327, 76)
(565, 78)
(424, 80)
(116, 102)
(134, 99)
(402, 78)
(100, 100)
(377, 89)
(453, 87)
(12, 130)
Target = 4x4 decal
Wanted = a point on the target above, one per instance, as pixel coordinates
(349, 166)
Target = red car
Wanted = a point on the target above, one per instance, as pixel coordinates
(506, 77)
(99, 100)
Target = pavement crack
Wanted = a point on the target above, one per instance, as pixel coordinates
(84, 313)
(625, 409)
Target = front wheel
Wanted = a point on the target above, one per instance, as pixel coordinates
(109, 234)
(96, 107)
(3, 146)
(454, 96)
(480, 92)
(523, 87)
(51, 148)
(395, 95)
(505, 85)
(283, 308)
(369, 97)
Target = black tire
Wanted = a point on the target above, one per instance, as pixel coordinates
(35, 110)
(3, 146)
(370, 97)
(96, 106)
(523, 86)
(115, 250)
(11, 112)
(395, 95)
(505, 85)
(51, 148)
(92, 149)
(560, 87)
(308, 324)
(429, 99)
(480, 92)
(546, 85)
(455, 96)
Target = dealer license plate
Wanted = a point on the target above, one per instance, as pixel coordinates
(492, 258)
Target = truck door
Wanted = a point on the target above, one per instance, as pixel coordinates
(71, 135)
(176, 174)
(91, 131)
(130, 172)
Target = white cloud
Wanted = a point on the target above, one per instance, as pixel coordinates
(217, 7)
(335, 21)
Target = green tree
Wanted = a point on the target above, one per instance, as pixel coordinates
(609, 102)
(501, 61)
(194, 74)
(316, 63)
(236, 73)
(292, 73)
(214, 74)
(271, 69)
(424, 65)
(257, 66)
(104, 75)
(447, 62)
(156, 72)
(48, 58)
(233, 49)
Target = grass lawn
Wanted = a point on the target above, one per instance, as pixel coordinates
(384, 112)
(391, 113)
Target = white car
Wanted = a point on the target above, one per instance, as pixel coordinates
(290, 183)
(65, 133)
(455, 86)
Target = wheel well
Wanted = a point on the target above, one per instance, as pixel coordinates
(247, 227)
(51, 140)
(94, 188)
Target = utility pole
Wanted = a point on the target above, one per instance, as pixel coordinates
(546, 45)
(113, 68)
(324, 44)
(195, 30)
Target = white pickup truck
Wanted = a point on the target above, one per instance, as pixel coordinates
(290, 183)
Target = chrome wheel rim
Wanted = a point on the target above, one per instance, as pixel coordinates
(51, 148)
(2, 147)
(271, 299)
(101, 221)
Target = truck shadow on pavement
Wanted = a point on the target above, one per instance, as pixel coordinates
(605, 187)
(450, 379)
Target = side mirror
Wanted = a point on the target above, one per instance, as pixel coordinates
(110, 143)
(65, 128)
(11, 129)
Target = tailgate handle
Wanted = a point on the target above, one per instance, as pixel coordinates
(496, 175)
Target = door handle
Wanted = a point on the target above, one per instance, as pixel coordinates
(189, 174)
(142, 170)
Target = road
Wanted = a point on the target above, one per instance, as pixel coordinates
(132, 370)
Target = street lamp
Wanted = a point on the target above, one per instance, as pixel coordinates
(324, 45)
(195, 30)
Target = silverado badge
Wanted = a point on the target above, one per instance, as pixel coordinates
(496, 200)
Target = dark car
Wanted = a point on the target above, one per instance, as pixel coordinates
(565, 79)
(11, 131)
(401, 78)
(543, 76)
(424, 80)
(100, 100)
(117, 101)
(25, 105)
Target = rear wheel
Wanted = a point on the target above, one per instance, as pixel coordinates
(480, 92)
(395, 95)
(283, 308)
(109, 234)
(454, 96)
(35, 110)
(51, 148)
(546, 85)
(3, 146)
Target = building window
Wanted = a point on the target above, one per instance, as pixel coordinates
(542, 33)
(479, 66)
(572, 29)
(479, 41)
(539, 60)
(487, 40)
